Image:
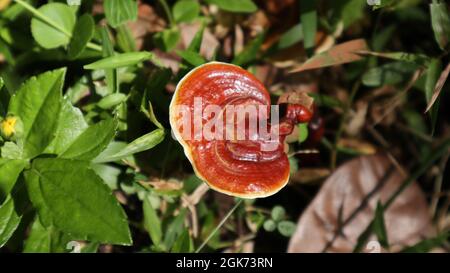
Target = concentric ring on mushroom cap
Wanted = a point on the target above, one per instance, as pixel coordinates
(216, 83)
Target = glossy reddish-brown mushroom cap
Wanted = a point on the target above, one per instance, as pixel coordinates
(234, 167)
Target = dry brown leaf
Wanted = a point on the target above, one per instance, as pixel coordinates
(339, 54)
(358, 145)
(438, 88)
(309, 175)
(297, 97)
(345, 192)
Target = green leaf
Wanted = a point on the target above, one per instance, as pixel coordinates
(151, 221)
(121, 60)
(235, 5)
(389, 74)
(4, 98)
(186, 10)
(196, 42)
(184, 243)
(270, 225)
(92, 141)
(286, 228)
(47, 35)
(291, 37)
(112, 100)
(70, 196)
(347, 12)
(150, 114)
(278, 213)
(433, 72)
(11, 150)
(191, 57)
(118, 12)
(10, 170)
(379, 228)
(303, 132)
(38, 103)
(71, 124)
(440, 21)
(108, 51)
(45, 240)
(141, 144)
(125, 39)
(419, 59)
(308, 18)
(9, 220)
(84, 31)
(167, 39)
(175, 229)
(427, 245)
(250, 51)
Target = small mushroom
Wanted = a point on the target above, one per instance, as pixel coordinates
(240, 167)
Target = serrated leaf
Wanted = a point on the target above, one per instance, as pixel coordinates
(118, 12)
(9, 220)
(151, 222)
(141, 144)
(48, 36)
(186, 10)
(59, 186)
(38, 103)
(121, 60)
(10, 170)
(246, 6)
(71, 124)
(92, 141)
(84, 31)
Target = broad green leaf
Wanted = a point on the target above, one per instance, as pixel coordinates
(432, 76)
(108, 173)
(9, 220)
(118, 12)
(278, 213)
(10, 170)
(71, 124)
(250, 51)
(59, 186)
(286, 228)
(339, 54)
(191, 57)
(11, 150)
(440, 21)
(235, 5)
(308, 18)
(90, 248)
(167, 39)
(151, 222)
(379, 228)
(47, 35)
(92, 141)
(83, 33)
(184, 243)
(141, 144)
(121, 60)
(45, 240)
(38, 103)
(186, 10)
(390, 73)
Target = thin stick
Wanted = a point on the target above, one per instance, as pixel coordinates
(219, 226)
